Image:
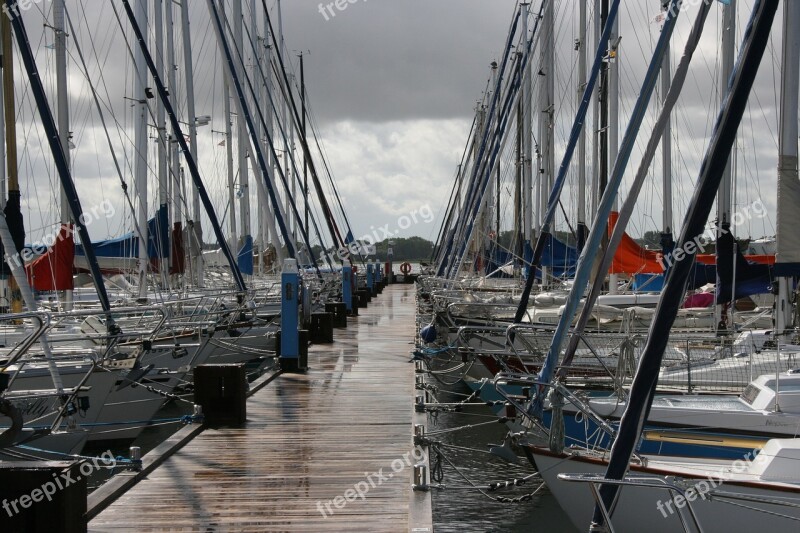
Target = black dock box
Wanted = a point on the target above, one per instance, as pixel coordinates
(222, 392)
(42, 496)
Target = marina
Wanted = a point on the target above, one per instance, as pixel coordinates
(400, 267)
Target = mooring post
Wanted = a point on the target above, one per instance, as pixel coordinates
(387, 270)
(378, 277)
(290, 335)
(347, 289)
(370, 278)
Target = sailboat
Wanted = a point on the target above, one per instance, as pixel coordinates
(699, 494)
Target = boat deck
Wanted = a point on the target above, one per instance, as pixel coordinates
(310, 439)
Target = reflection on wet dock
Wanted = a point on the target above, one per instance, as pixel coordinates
(329, 450)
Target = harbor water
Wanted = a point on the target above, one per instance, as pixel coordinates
(458, 509)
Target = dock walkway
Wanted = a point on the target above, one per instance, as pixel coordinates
(312, 442)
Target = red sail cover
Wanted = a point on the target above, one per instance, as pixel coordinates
(630, 257)
(53, 270)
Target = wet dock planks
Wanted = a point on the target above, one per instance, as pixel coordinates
(309, 439)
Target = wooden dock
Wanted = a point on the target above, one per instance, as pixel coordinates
(311, 441)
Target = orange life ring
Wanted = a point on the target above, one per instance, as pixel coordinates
(405, 268)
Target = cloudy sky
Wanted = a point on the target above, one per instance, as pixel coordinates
(393, 86)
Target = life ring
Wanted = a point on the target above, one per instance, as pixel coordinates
(405, 268)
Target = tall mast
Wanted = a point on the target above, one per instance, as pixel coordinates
(140, 139)
(546, 120)
(260, 233)
(724, 199)
(242, 134)
(226, 96)
(272, 235)
(613, 118)
(596, 122)
(174, 152)
(60, 28)
(603, 100)
(304, 134)
(788, 183)
(726, 67)
(284, 110)
(527, 147)
(497, 181)
(13, 296)
(666, 143)
(582, 58)
(162, 217)
(195, 225)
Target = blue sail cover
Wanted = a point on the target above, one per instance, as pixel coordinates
(245, 257)
(750, 278)
(559, 257)
(128, 245)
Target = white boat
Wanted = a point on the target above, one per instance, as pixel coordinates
(663, 493)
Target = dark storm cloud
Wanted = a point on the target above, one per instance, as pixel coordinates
(382, 60)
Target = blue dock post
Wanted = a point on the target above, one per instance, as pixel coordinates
(347, 289)
(290, 335)
(389, 267)
(371, 278)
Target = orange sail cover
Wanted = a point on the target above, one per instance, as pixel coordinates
(631, 258)
(53, 270)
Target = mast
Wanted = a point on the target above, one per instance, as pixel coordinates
(548, 113)
(582, 59)
(284, 110)
(290, 161)
(596, 135)
(493, 189)
(242, 136)
(226, 96)
(175, 185)
(788, 257)
(517, 244)
(11, 205)
(728, 50)
(724, 198)
(194, 225)
(666, 143)
(304, 134)
(527, 149)
(497, 182)
(260, 233)
(140, 163)
(603, 101)
(271, 233)
(63, 115)
(162, 217)
(613, 119)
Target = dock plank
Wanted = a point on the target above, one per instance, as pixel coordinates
(308, 439)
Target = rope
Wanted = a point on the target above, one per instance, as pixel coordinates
(437, 471)
(492, 486)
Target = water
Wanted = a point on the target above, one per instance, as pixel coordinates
(456, 510)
